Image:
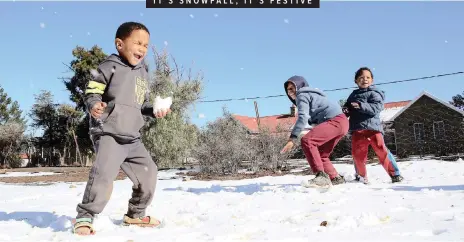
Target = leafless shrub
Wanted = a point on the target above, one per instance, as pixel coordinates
(222, 146)
(266, 147)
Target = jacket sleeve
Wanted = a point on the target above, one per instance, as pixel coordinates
(303, 103)
(346, 108)
(96, 87)
(373, 106)
(147, 106)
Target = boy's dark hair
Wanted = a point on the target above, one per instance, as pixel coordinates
(359, 72)
(125, 29)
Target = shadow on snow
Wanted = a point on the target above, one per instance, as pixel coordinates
(247, 189)
(39, 219)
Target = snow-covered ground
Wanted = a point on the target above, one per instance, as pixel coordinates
(23, 174)
(427, 206)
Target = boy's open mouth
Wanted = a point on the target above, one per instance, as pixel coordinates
(138, 57)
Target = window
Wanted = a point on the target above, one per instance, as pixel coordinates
(438, 129)
(418, 132)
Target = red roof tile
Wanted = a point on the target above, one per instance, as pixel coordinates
(396, 104)
(23, 156)
(271, 122)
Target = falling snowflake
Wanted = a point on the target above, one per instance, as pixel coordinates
(55, 12)
(216, 15)
(242, 68)
(88, 33)
(446, 41)
(191, 16)
(286, 21)
(70, 36)
(201, 115)
(113, 70)
(165, 43)
(141, 14)
(246, 99)
(42, 25)
(373, 68)
(42, 8)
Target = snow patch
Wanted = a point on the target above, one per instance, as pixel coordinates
(388, 113)
(24, 174)
(427, 206)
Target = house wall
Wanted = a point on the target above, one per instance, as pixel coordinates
(24, 162)
(426, 111)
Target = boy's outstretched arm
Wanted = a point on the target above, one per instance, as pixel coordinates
(303, 116)
(373, 106)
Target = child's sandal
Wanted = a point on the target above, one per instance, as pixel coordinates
(146, 221)
(83, 222)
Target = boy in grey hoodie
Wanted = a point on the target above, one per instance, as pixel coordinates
(117, 99)
(314, 108)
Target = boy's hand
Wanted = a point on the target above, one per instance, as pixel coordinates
(162, 113)
(345, 110)
(162, 106)
(355, 105)
(97, 109)
(287, 147)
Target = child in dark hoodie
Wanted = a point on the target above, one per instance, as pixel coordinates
(116, 100)
(363, 107)
(330, 126)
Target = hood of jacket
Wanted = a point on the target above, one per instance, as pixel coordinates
(299, 83)
(302, 86)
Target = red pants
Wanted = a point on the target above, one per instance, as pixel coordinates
(319, 143)
(360, 142)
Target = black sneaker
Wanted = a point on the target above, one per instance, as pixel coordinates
(397, 178)
(359, 178)
(338, 180)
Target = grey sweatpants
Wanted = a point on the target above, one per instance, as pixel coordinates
(135, 161)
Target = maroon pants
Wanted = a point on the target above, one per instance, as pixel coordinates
(360, 142)
(319, 143)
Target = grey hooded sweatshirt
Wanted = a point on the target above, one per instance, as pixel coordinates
(313, 105)
(125, 89)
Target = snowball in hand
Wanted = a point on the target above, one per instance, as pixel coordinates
(161, 103)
